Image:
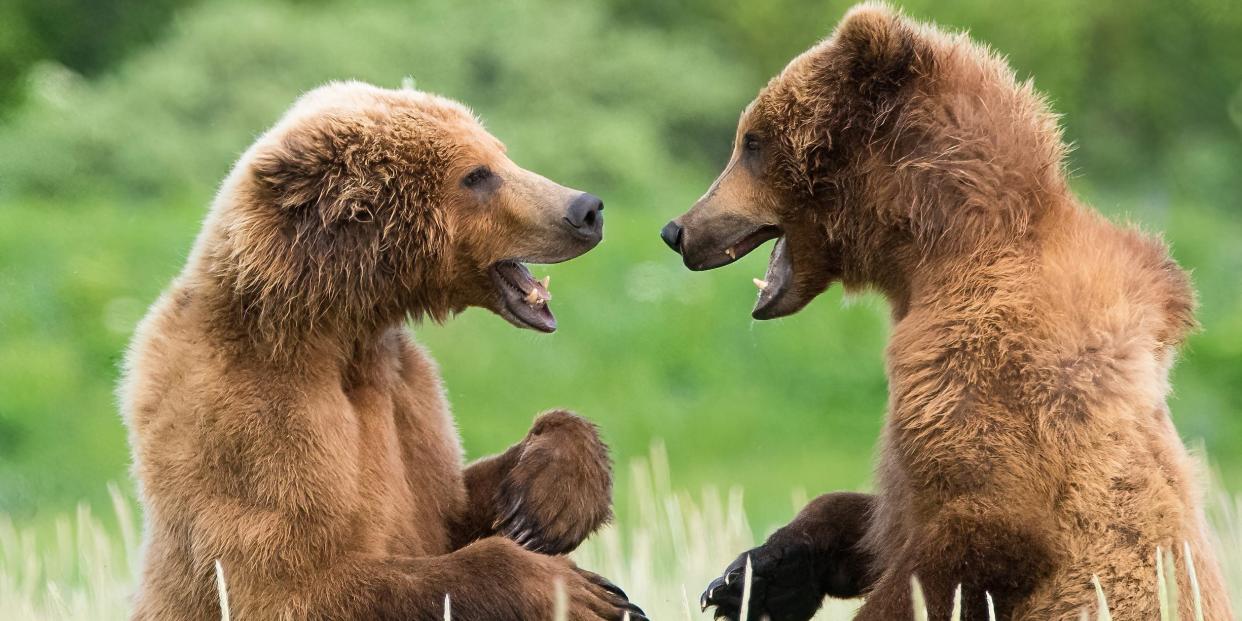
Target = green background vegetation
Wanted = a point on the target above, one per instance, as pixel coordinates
(118, 117)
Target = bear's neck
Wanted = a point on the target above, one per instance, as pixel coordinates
(269, 326)
(912, 273)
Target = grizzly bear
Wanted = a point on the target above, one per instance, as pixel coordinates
(285, 425)
(1027, 445)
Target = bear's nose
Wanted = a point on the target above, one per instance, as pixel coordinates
(671, 234)
(585, 215)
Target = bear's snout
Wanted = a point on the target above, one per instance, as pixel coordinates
(671, 234)
(585, 217)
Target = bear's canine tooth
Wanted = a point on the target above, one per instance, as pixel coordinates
(729, 251)
(761, 283)
(547, 280)
(532, 296)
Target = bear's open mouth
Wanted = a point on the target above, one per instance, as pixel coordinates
(524, 300)
(774, 284)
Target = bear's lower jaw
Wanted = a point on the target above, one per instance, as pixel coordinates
(784, 289)
(523, 300)
(775, 284)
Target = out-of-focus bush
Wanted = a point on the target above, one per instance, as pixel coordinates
(1151, 90)
(572, 93)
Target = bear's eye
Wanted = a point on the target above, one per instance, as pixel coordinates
(477, 176)
(750, 142)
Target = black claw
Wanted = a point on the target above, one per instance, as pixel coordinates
(723, 594)
(635, 611)
(527, 538)
(515, 527)
(615, 590)
(710, 594)
(504, 521)
(606, 584)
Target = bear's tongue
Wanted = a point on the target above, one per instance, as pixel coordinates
(524, 297)
(775, 281)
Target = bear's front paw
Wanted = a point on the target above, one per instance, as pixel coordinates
(785, 583)
(560, 489)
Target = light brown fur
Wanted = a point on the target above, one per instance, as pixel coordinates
(1027, 444)
(284, 422)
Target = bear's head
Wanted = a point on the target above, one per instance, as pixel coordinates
(881, 145)
(365, 204)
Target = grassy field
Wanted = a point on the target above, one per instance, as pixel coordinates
(672, 544)
(645, 348)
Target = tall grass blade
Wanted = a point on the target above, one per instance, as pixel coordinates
(747, 577)
(1194, 582)
(919, 602)
(1173, 591)
(560, 601)
(1162, 585)
(1102, 614)
(125, 521)
(223, 590)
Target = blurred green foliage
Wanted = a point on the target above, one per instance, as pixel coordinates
(86, 36)
(107, 165)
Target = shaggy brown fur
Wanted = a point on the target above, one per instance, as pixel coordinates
(285, 424)
(1027, 444)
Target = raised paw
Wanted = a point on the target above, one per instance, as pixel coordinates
(785, 584)
(560, 489)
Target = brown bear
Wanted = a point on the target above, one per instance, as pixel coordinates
(1027, 446)
(283, 421)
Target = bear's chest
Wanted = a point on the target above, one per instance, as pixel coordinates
(410, 464)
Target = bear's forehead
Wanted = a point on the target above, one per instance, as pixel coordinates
(363, 97)
(360, 101)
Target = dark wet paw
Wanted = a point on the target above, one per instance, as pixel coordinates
(785, 584)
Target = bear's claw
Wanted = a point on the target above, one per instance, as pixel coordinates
(783, 586)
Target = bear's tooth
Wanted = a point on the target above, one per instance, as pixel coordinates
(729, 251)
(761, 283)
(532, 296)
(547, 280)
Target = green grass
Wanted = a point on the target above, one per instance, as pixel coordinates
(670, 547)
(646, 348)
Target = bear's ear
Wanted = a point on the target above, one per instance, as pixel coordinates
(308, 172)
(879, 50)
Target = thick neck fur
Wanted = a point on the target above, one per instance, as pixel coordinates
(983, 198)
(266, 303)
(957, 176)
(1070, 261)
